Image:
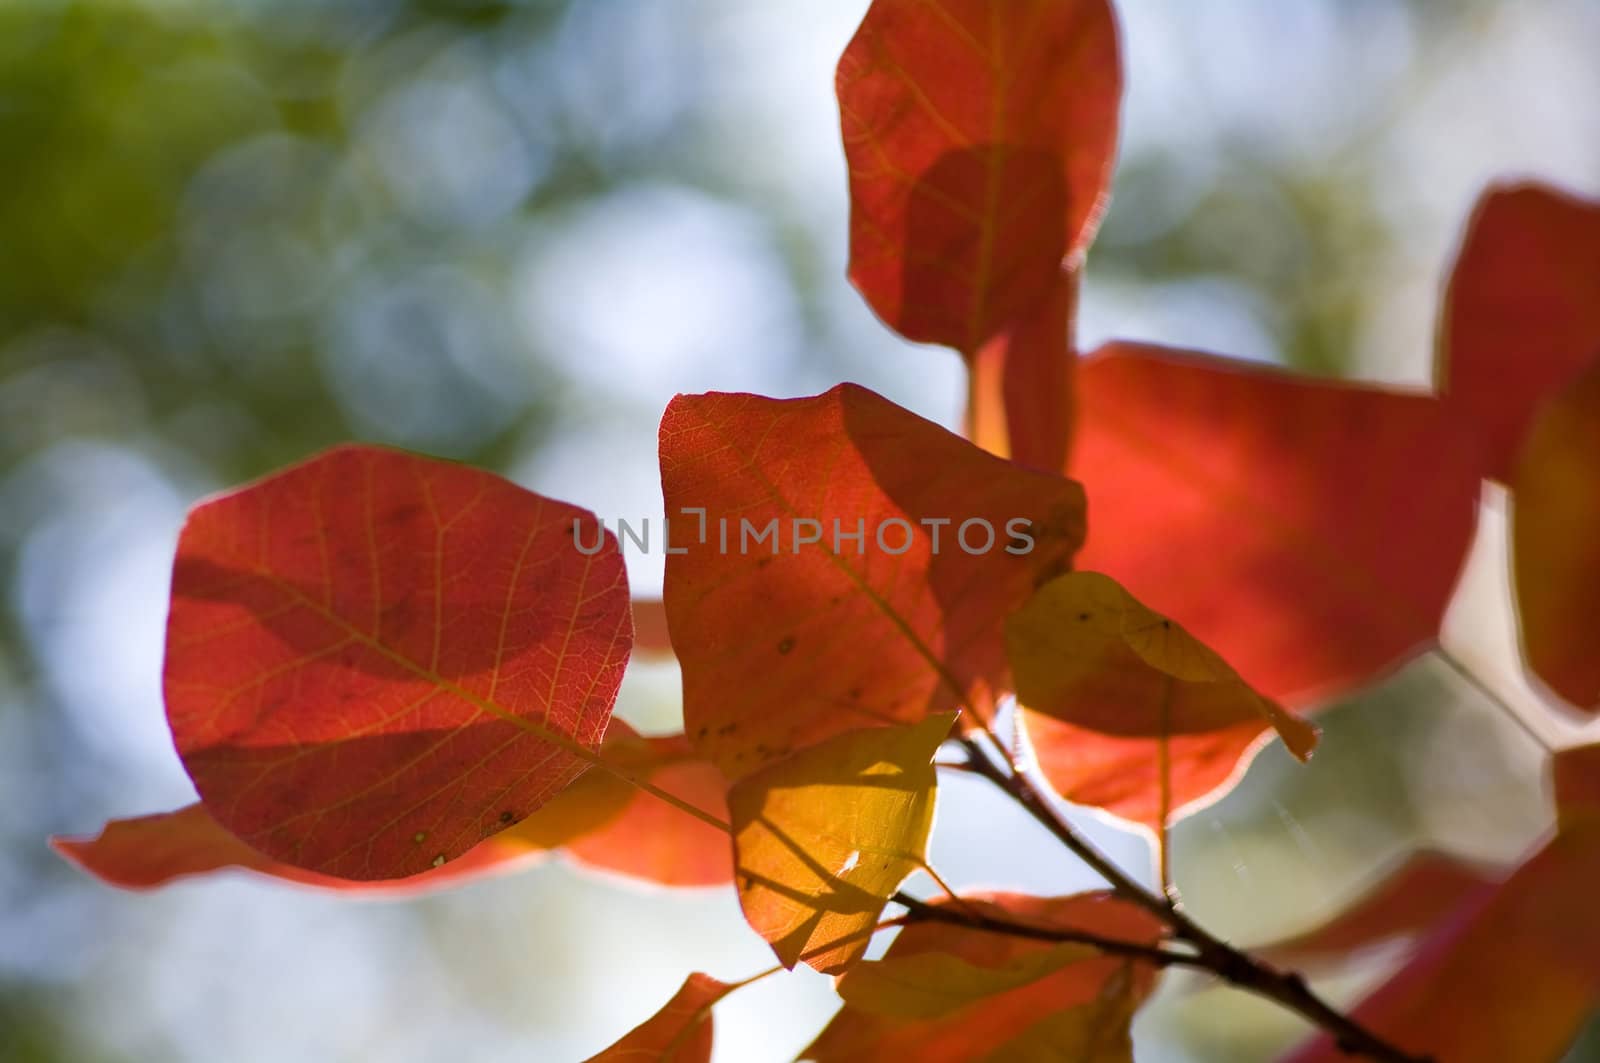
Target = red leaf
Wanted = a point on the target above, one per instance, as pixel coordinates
(602, 820)
(149, 851)
(1555, 538)
(980, 138)
(1281, 520)
(785, 643)
(1101, 679)
(1523, 311)
(375, 660)
(977, 1030)
(1514, 973)
(679, 1033)
(1122, 775)
(1083, 649)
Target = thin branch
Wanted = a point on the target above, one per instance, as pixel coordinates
(1211, 953)
(918, 911)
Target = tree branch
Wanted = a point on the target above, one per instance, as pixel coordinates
(918, 911)
(1211, 953)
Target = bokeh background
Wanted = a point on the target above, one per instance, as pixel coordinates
(235, 231)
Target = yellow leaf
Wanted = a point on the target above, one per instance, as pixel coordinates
(1085, 651)
(824, 838)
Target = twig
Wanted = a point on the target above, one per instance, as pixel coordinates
(1210, 953)
(918, 911)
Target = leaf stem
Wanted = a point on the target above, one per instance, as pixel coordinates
(1211, 953)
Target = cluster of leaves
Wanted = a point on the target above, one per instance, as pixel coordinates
(387, 672)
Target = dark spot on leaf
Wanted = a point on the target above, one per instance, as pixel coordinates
(507, 817)
(1083, 616)
(786, 645)
(401, 515)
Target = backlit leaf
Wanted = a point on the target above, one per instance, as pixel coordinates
(1522, 315)
(650, 635)
(1514, 973)
(930, 984)
(375, 660)
(600, 819)
(1095, 669)
(1555, 538)
(1100, 1031)
(1123, 775)
(1086, 651)
(1021, 1018)
(1280, 519)
(150, 851)
(652, 840)
(980, 138)
(786, 642)
(824, 838)
(680, 1032)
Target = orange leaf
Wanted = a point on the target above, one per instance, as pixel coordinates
(149, 851)
(1123, 775)
(650, 635)
(980, 138)
(679, 1033)
(1099, 676)
(1280, 519)
(375, 660)
(1086, 651)
(602, 821)
(786, 642)
(653, 841)
(1514, 973)
(1522, 315)
(1010, 1017)
(1555, 538)
(823, 839)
